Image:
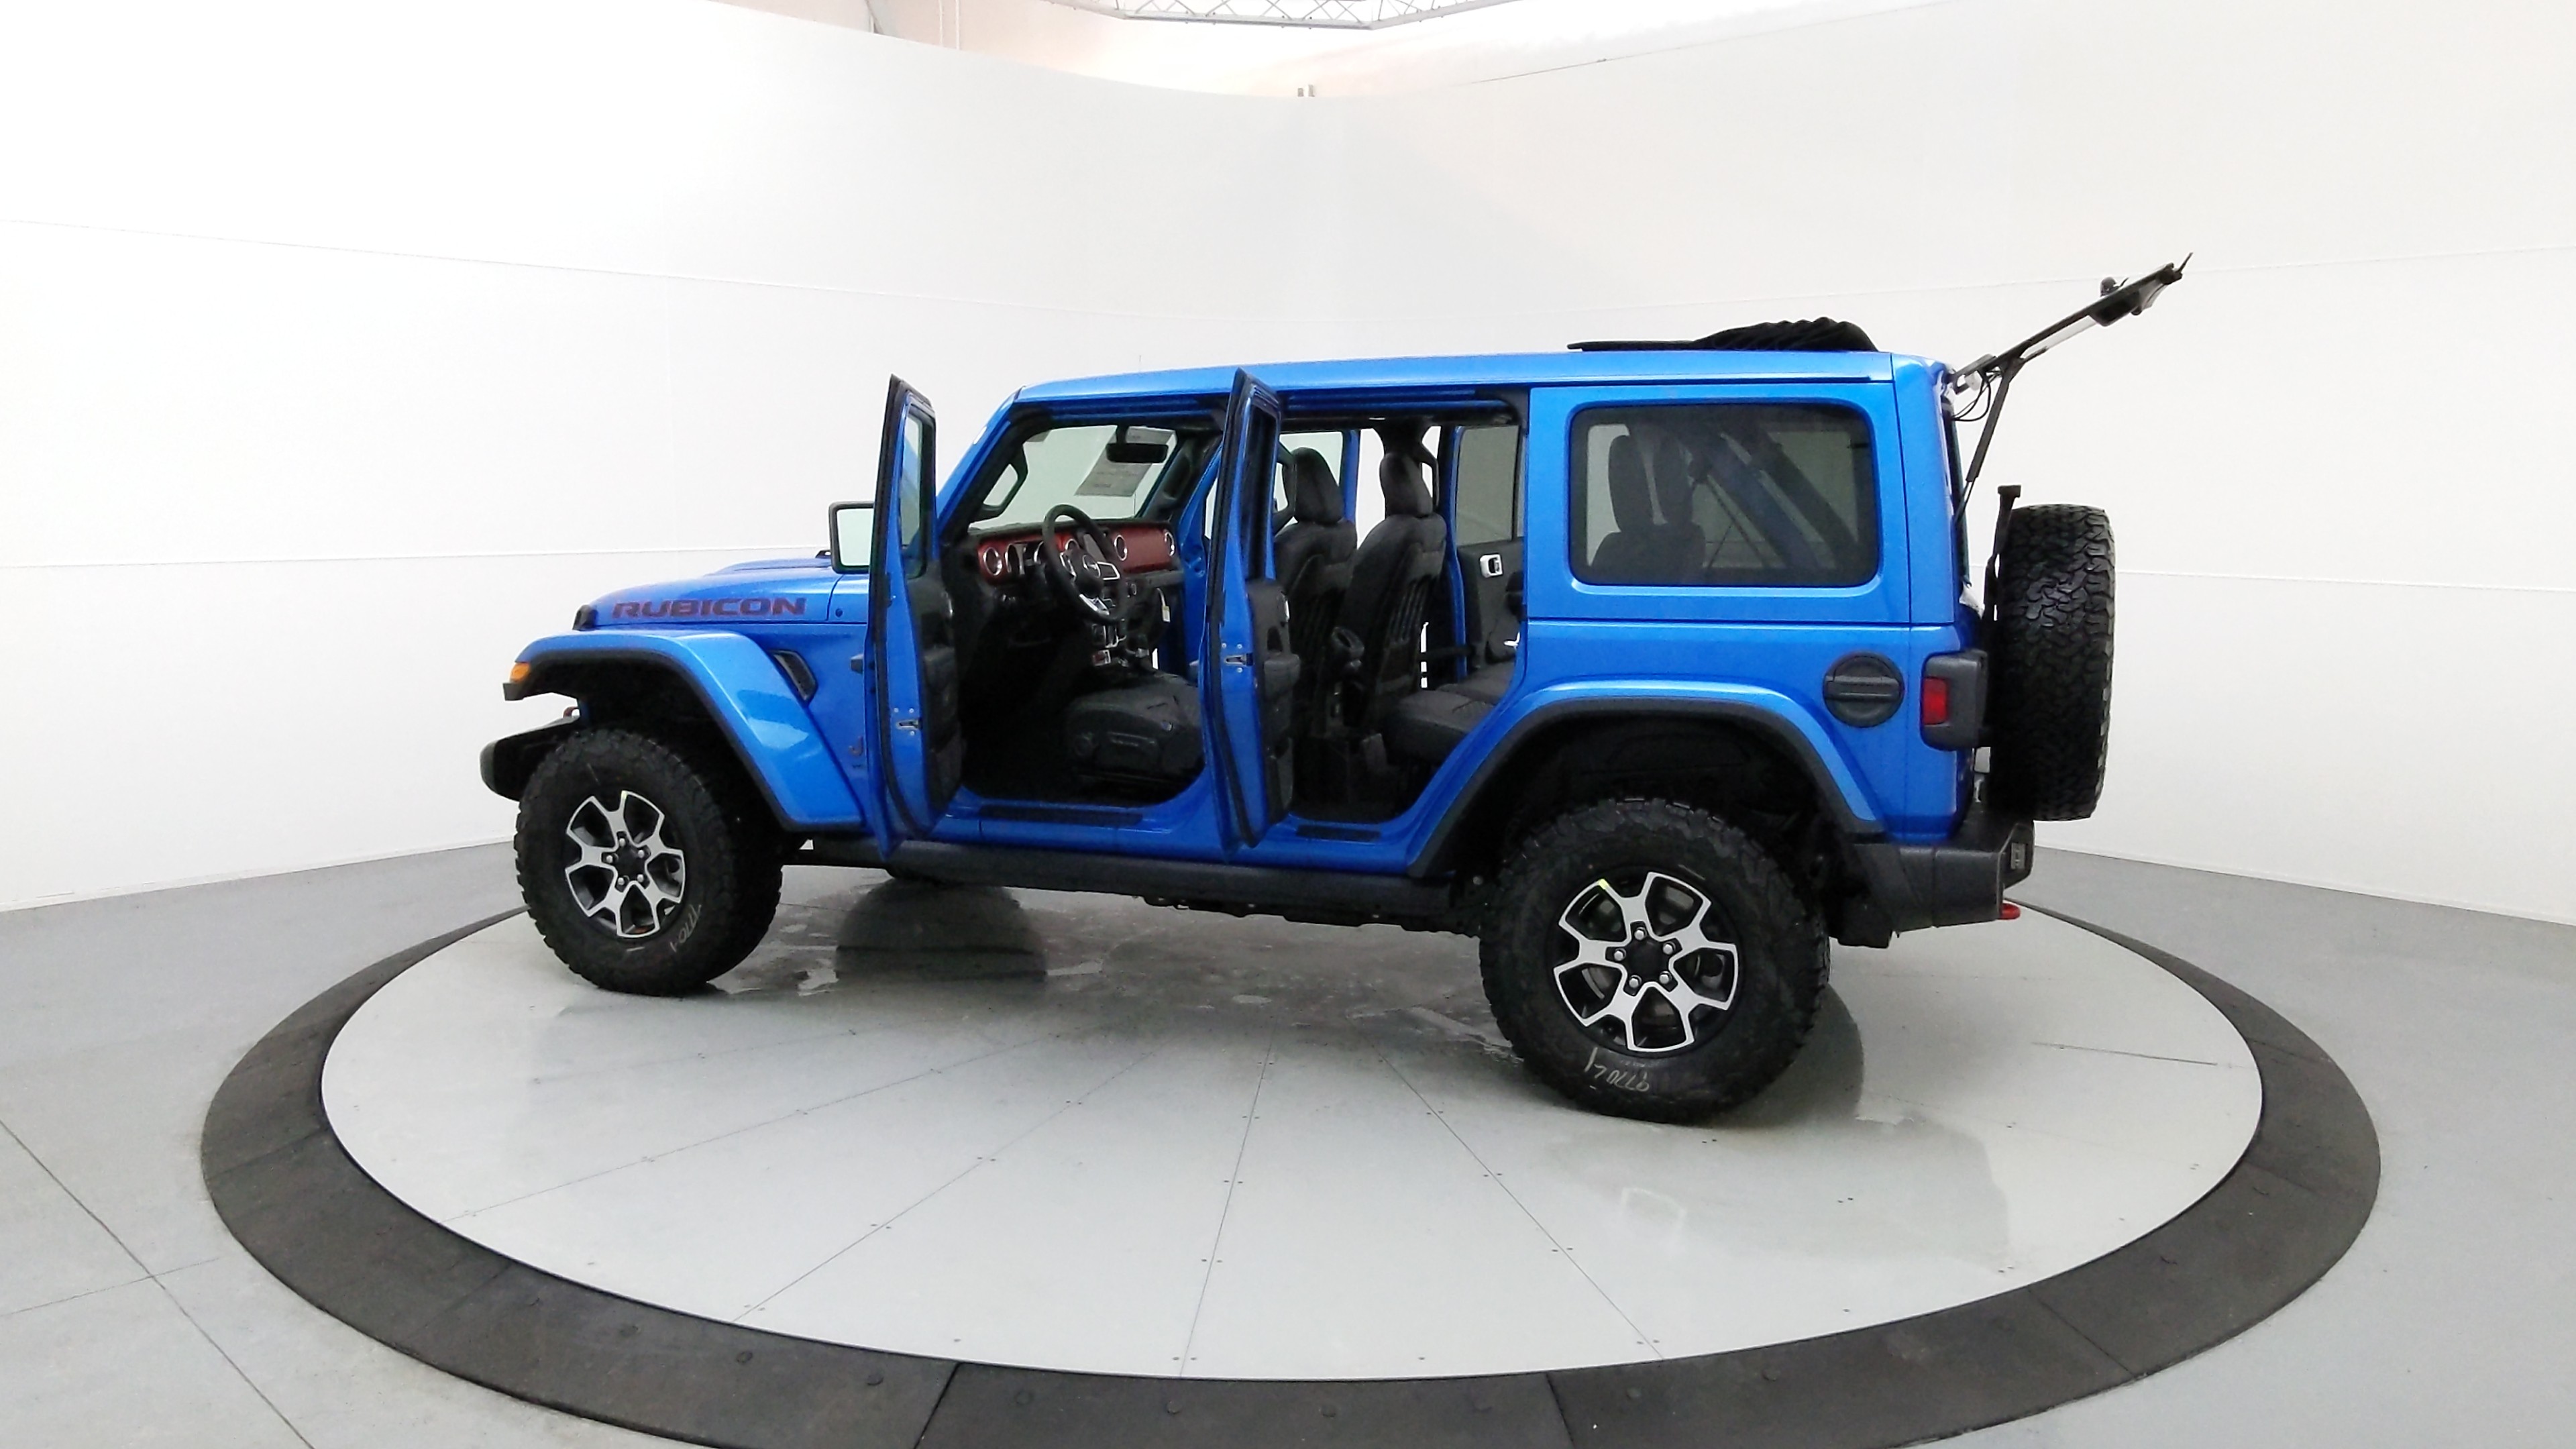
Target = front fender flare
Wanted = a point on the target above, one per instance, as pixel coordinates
(739, 686)
(1775, 716)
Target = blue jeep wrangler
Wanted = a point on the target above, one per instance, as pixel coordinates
(1655, 673)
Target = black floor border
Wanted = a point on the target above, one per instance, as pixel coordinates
(2274, 1225)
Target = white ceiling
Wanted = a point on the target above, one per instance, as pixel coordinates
(1465, 42)
(1321, 14)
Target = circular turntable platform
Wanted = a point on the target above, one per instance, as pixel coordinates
(1083, 1134)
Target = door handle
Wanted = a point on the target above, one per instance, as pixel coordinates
(1490, 565)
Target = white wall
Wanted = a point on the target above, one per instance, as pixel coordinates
(343, 349)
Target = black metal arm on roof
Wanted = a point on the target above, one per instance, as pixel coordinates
(1989, 379)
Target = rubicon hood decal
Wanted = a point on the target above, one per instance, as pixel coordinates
(736, 606)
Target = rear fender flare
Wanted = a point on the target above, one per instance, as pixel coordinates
(735, 681)
(1768, 713)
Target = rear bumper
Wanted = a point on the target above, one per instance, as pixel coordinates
(1956, 882)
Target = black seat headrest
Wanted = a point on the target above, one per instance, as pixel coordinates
(1314, 494)
(1407, 495)
(1632, 506)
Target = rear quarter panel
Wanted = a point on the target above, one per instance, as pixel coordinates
(1767, 645)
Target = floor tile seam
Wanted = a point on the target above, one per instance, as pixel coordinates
(233, 1251)
(231, 1363)
(2030, 1294)
(2070, 1046)
(2115, 1150)
(981, 1161)
(1225, 1209)
(1644, 1339)
(75, 1199)
(805, 1111)
(1976, 1034)
(76, 1297)
(1556, 1396)
(307, 1131)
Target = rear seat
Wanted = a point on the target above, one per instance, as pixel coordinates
(1425, 726)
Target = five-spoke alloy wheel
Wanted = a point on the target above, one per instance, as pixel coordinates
(1649, 959)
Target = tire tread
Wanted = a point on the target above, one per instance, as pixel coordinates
(2053, 628)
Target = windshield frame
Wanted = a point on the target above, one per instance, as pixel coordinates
(1194, 432)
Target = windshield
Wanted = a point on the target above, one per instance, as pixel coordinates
(1108, 471)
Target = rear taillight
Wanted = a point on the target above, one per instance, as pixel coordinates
(1954, 699)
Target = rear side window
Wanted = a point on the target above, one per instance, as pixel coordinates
(1489, 484)
(1766, 495)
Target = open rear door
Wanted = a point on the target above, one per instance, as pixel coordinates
(1250, 675)
(915, 748)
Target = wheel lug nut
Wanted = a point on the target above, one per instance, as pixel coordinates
(1618, 955)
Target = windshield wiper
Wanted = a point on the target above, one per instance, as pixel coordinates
(1988, 380)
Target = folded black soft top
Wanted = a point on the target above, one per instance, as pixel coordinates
(1815, 334)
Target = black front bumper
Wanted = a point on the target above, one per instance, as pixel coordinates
(510, 760)
(1956, 882)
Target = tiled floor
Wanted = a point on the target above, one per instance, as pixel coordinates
(127, 1316)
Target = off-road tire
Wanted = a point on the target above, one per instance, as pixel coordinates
(1781, 956)
(2051, 711)
(730, 891)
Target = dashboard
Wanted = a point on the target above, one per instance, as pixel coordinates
(1010, 555)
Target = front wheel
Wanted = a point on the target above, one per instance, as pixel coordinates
(1649, 960)
(641, 870)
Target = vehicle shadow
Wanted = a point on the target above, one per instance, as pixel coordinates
(915, 932)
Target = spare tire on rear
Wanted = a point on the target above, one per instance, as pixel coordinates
(2051, 642)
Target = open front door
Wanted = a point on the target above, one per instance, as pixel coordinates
(1250, 678)
(915, 748)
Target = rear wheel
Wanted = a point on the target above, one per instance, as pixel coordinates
(1649, 960)
(643, 871)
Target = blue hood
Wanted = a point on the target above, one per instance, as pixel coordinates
(770, 591)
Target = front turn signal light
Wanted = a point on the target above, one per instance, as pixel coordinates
(519, 672)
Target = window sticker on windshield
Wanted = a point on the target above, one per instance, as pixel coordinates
(1114, 476)
(1113, 480)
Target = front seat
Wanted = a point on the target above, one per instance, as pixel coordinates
(1391, 582)
(1144, 734)
(1311, 557)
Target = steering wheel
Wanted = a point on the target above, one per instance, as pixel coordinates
(1083, 579)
